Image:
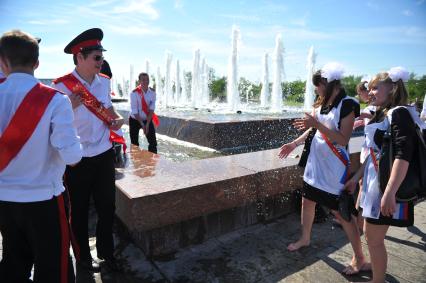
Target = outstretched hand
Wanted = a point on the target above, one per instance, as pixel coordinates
(305, 123)
(286, 149)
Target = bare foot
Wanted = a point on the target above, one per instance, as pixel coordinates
(354, 268)
(297, 245)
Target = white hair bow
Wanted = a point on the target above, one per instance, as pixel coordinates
(398, 73)
(332, 71)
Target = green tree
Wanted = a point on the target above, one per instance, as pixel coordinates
(294, 91)
(217, 88)
(350, 83)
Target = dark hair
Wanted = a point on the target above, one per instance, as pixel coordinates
(329, 88)
(19, 48)
(143, 75)
(85, 52)
(106, 69)
(316, 78)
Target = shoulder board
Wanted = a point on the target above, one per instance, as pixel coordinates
(105, 76)
(61, 79)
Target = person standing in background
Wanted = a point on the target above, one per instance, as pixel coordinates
(142, 102)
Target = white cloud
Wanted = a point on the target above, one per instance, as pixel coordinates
(48, 22)
(407, 13)
(301, 22)
(101, 3)
(51, 49)
(277, 8)
(235, 17)
(132, 30)
(144, 7)
(179, 4)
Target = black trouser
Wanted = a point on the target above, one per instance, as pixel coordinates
(36, 233)
(93, 176)
(135, 126)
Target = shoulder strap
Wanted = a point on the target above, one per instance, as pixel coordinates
(105, 76)
(24, 122)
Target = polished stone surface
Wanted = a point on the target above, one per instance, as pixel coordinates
(166, 205)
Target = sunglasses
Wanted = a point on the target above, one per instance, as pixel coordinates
(98, 58)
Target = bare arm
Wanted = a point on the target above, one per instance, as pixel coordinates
(350, 185)
(287, 148)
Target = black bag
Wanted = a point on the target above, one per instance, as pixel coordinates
(346, 205)
(414, 184)
(307, 148)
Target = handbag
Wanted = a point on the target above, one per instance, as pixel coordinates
(414, 183)
(346, 205)
(307, 148)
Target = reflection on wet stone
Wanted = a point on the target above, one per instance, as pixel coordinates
(166, 205)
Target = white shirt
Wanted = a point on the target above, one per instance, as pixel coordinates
(35, 174)
(94, 134)
(2, 76)
(423, 114)
(136, 103)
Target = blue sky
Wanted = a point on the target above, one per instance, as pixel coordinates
(366, 36)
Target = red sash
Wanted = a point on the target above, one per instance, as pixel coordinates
(2, 80)
(24, 122)
(91, 103)
(155, 119)
(373, 157)
(342, 157)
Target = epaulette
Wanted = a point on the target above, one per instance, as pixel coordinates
(105, 76)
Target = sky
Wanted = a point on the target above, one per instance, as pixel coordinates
(366, 36)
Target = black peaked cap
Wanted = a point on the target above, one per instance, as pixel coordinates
(89, 39)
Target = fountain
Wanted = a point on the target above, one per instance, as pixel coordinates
(168, 205)
(310, 88)
(159, 87)
(233, 96)
(177, 84)
(195, 86)
(168, 93)
(264, 94)
(205, 97)
(277, 92)
(147, 68)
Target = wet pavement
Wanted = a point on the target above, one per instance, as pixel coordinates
(258, 254)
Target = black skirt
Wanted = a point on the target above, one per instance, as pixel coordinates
(321, 197)
(405, 216)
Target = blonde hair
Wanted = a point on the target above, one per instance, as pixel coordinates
(398, 94)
